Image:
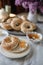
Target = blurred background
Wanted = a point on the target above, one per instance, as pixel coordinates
(14, 9)
(17, 9)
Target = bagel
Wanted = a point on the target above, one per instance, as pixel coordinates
(12, 15)
(16, 23)
(3, 17)
(9, 20)
(6, 26)
(26, 27)
(23, 17)
(10, 42)
(34, 26)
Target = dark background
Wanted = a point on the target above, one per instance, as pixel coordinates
(15, 9)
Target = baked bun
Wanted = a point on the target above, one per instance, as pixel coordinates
(10, 42)
(34, 26)
(3, 15)
(23, 17)
(27, 27)
(16, 24)
(9, 20)
(12, 15)
(6, 26)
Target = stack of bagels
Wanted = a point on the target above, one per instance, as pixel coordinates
(18, 24)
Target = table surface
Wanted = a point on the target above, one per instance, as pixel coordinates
(39, 58)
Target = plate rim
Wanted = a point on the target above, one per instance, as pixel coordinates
(5, 33)
(13, 55)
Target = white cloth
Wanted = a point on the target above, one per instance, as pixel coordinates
(36, 60)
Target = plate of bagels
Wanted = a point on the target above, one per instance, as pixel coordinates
(17, 25)
(14, 47)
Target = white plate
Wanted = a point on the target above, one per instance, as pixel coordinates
(3, 35)
(34, 40)
(14, 55)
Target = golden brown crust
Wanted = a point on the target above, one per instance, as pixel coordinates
(23, 17)
(3, 17)
(10, 42)
(27, 27)
(6, 26)
(12, 15)
(34, 26)
(9, 20)
(16, 24)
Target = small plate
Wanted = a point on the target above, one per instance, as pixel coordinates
(34, 40)
(15, 55)
(3, 34)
